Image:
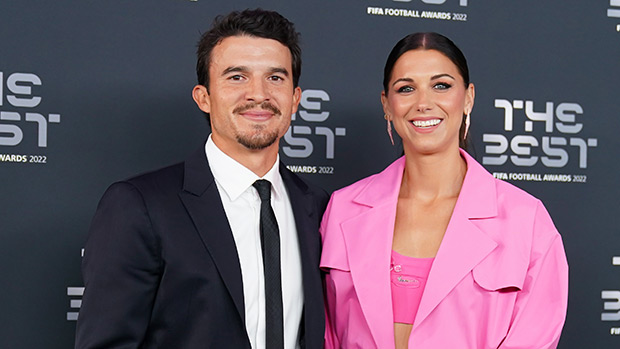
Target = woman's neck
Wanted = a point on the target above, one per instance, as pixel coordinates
(431, 177)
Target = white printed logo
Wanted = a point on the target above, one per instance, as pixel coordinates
(414, 13)
(561, 130)
(17, 119)
(19, 86)
(612, 304)
(300, 140)
(300, 145)
(614, 12)
(75, 300)
(438, 2)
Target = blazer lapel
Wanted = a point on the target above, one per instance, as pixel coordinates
(464, 245)
(368, 239)
(462, 248)
(307, 224)
(202, 201)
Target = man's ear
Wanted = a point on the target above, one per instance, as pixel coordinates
(202, 98)
(296, 99)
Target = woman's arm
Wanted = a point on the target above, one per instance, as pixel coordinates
(540, 309)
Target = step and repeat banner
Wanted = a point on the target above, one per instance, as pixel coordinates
(92, 92)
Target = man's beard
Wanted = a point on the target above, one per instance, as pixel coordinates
(259, 139)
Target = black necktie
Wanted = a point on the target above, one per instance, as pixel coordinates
(270, 244)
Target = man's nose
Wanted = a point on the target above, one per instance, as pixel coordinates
(257, 91)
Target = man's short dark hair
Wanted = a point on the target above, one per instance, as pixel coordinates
(259, 23)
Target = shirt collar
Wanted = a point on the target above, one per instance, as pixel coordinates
(235, 178)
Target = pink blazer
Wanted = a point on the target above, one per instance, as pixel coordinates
(499, 279)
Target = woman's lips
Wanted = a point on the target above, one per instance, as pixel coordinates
(426, 125)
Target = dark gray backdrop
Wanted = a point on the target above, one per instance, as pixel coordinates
(114, 80)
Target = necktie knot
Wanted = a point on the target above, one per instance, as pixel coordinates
(264, 189)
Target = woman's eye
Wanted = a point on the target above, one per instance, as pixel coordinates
(405, 89)
(442, 86)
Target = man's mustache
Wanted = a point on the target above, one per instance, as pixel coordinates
(266, 105)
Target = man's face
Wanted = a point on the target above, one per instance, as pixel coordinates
(251, 95)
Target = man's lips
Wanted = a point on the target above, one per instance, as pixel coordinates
(258, 115)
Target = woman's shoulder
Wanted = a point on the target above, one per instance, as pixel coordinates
(354, 188)
(386, 180)
(515, 194)
(505, 191)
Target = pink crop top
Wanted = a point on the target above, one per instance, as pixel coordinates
(408, 278)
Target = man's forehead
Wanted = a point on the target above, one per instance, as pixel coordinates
(246, 52)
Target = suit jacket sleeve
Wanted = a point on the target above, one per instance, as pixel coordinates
(121, 270)
(540, 308)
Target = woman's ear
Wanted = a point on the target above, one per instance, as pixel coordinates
(384, 102)
(470, 95)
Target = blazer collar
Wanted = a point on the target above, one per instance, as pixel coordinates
(297, 189)
(197, 176)
(307, 216)
(383, 187)
(370, 234)
(464, 245)
(478, 188)
(478, 196)
(202, 201)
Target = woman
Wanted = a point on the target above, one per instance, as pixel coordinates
(434, 252)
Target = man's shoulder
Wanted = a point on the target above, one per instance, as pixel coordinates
(169, 176)
(290, 177)
(155, 183)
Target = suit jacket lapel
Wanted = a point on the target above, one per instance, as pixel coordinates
(368, 239)
(307, 224)
(202, 201)
(464, 245)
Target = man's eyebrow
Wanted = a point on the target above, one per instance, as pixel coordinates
(280, 70)
(244, 69)
(233, 69)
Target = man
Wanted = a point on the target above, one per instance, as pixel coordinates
(190, 256)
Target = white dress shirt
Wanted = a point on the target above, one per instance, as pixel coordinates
(242, 206)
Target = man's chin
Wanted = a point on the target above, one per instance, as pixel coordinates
(257, 142)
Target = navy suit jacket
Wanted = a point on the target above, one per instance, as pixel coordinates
(161, 268)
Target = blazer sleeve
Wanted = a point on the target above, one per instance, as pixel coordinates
(541, 305)
(121, 271)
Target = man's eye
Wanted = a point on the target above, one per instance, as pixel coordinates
(235, 77)
(275, 78)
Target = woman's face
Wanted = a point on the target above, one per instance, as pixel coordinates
(426, 101)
